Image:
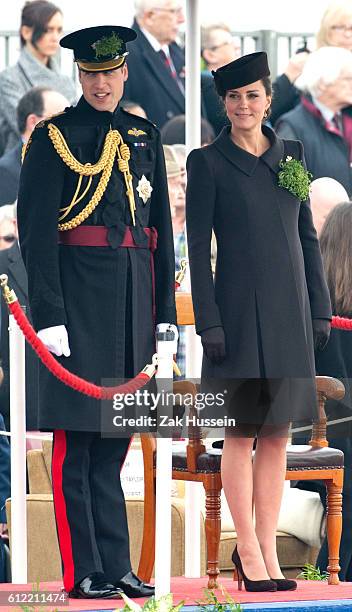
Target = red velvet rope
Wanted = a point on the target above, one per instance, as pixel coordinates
(85, 387)
(69, 379)
(341, 323)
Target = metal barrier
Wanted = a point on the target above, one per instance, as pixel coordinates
(10, 47)
(278, 45)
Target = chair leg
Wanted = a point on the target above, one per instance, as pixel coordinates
(212, 527)
(147, 557)
(334, 525)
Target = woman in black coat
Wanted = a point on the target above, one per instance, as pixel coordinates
(255, 320)
(336, 360)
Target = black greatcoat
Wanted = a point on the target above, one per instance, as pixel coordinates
(269, 280)
(87, 288)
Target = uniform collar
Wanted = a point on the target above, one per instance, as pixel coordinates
(245, 161)
(101, 117)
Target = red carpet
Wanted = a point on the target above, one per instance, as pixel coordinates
(191, 591)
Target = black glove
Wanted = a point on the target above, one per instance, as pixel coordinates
(321, 333)
(213, 341)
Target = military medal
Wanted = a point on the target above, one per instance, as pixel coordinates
(136, 133)
(144, 189)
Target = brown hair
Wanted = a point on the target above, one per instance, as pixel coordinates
(336, 249)
(36, 15)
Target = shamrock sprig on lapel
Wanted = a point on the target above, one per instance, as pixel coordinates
(295, 178)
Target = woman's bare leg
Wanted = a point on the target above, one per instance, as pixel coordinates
(237, 480)
(268, 483)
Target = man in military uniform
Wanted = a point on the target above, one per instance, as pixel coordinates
(96, 238)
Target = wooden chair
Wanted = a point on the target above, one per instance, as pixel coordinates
(315, 461)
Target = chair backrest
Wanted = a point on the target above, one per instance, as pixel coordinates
(327, 388)
(184, 307)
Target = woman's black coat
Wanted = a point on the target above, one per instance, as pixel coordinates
(269, 280)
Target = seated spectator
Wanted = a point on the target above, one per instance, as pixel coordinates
(8, 226)
(319, 121)
(324, 194)
(5, 493)
(40, 32)
(37, 104)
(336, 360)
(335, 31)
(174, 131)
(219, 47)
(134, 108)
(175, 182)
(181, 155)
(11, 264)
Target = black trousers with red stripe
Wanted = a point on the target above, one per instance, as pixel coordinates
(89, 505)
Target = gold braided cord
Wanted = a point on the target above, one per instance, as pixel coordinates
(24, 150)
(76, 200)
(123, 165)
(68, 208)
(93, 203)
(125, 152)
(124, 155)
(105, 164)
(111, 143)
(89, 182)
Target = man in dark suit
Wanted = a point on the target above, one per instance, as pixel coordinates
(38, 103)
(156, 62)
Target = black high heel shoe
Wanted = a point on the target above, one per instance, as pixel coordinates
(250, 585)
(284, 584)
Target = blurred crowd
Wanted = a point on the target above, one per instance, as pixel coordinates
(312, 102)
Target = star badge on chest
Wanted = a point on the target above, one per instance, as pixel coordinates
(144, 189)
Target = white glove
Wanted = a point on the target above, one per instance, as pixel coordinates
(55, 339)
(164, 327)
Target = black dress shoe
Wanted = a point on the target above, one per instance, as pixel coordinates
(250, 585)
(133, 586)
(95, 586)
(284, 584)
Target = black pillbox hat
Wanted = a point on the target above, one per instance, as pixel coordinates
(99, 48)
(242, 71)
